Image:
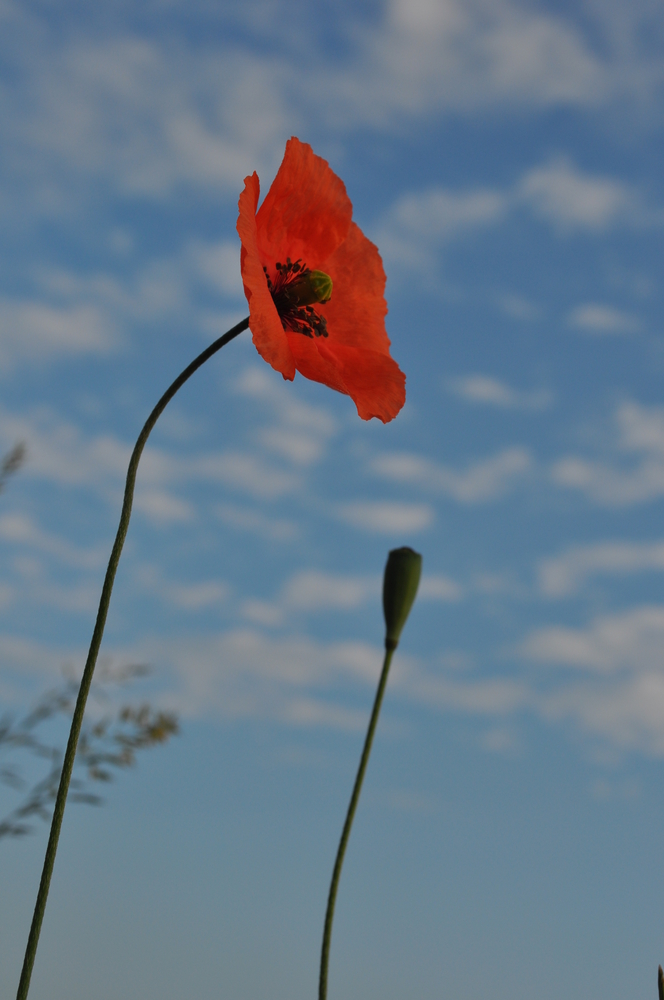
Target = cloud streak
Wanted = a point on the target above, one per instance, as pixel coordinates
(557, 193)
(482, 481)
(564, 575)
(488, 391)
(635, 476)
(147, 117)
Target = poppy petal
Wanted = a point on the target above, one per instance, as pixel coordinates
(313, 365)
(356, 312)
(306, 213)
(266, 327)
(372, 379)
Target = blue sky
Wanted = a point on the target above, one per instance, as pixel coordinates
(507, 160)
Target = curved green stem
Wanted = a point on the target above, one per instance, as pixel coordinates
(95, 643)
(390, 646)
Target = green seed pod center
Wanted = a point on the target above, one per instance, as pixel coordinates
(310, 288)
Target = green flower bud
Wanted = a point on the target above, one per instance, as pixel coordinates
(400, 583)
(313, 286)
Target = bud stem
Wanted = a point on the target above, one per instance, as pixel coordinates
(390, 646)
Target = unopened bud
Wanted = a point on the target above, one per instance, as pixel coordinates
(312, 287)
(400, 583)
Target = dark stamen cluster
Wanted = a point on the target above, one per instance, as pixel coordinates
(299, 319)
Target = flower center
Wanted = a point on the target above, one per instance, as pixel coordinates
(295, 290)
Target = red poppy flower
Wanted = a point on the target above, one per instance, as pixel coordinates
(315, 285)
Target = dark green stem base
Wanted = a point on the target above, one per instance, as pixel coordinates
(390, 646)
(86, 681)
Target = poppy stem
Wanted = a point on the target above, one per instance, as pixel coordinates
(390, 646)
(95, 643)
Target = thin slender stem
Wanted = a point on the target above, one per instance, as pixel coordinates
(95, 643)
(390, 646)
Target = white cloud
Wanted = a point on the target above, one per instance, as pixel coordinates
(566, 574)
(413, 230)
(437, 55)
(439, 588)
(35, 331)
(499, 696)
(639, 436)
(35, 582)
(609, 486)
(262, 613)
(602, 319)
(496, 583)
(479, 482)
(438, 214)
(24, 656)
(312, 712)
(147, 117)
(628, 640)
(561, 194)
(312, 590)
(265, 387)
(194, 596)
(163, 507)
(219, 266)
(88, 309)
(20, 529)
(612, 686)
(606, 790)
(257, 523)
(626, 713)
(416, 223)
(297, 431)
(241, 471)
(409, 801)
(616, 688)
(244, 672)
(120, 241)
(294, 679)
(518, 307)
(501, 739)
(34, 585)
(59, 452)
(490, 391)
(641, 428)
(386, 517)
(7, 594)
(296, 446)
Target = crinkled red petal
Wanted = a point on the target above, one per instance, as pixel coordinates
(266, 328)
(372, 379)
(306, 213)
(356, 312)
